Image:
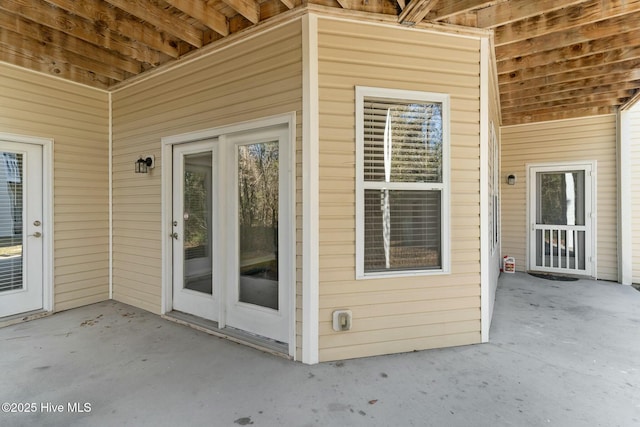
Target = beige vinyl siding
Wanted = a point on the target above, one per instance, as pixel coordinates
(77, 118)
(591, 138)
(252, 79)
(399, 314)
(635, 193)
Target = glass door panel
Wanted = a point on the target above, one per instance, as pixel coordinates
(21, 228)
(196, 217)
(11, 207)
(258, 201)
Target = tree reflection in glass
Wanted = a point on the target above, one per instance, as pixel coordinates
(258, 171)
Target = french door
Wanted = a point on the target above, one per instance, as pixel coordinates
(21, 229)
(192, 230)
(258, 297)
(231, 244)
(562, 217)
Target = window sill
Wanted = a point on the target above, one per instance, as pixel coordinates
(398, 274)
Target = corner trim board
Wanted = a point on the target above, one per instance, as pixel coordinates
(310, 191)
(625, 197)
(485, 286)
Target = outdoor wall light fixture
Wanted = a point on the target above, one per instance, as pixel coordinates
(144, 163)
(511, 179)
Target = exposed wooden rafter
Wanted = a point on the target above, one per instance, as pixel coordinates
(108, 18)
(160, 18)
(415, 11)
(250, 9)
(45, 14)
(48, 37)
(554, 58)
(517, 10)
(204, 12)
(447, 9)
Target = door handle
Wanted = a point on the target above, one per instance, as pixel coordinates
(36, 234)
(174, 235)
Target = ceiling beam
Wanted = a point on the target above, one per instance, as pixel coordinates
(625, 78)
(586, 94)
(611, 58)
(47, 36)
(513, 81)
(574, 51)
(415, 11)
(203, 12)
(557, 113)
(516, 10)
(584, 14)
(16, 56)
(289, 3)
(43, 13)
(58, 55)
(160, 18)
(109, 18)
(606, 28)
(448, 8)
(250, 9)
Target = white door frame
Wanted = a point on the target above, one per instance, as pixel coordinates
(590, 216)
(167, 143)
(47, 211)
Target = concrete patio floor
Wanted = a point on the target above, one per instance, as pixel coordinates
(561, 354)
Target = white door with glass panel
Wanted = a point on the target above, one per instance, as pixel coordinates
(231, 240)
(259, 246)
(562, 215)
(193, 233)
(21, 228)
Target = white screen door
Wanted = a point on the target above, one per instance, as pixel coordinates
(193, 230)
(561, 214)
(21, 248)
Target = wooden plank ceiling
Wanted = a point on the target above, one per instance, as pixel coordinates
(555, 58)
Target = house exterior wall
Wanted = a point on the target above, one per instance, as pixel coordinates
(77, 119)
(590, 138)
(494, 178)
(635, 191)
(257, 77)
(409, 313)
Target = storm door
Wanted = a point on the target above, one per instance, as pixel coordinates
(561, 217)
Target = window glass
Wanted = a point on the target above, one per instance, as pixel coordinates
(402, 179)
(402, 141)
(402, 230)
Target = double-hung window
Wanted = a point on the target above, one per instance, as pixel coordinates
(402, 182)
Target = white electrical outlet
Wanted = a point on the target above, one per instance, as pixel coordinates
(342, 320)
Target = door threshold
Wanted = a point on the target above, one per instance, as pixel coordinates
(239, 336)
(23, 317)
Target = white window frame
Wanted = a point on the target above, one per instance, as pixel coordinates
(361, 185)
(495, 190)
